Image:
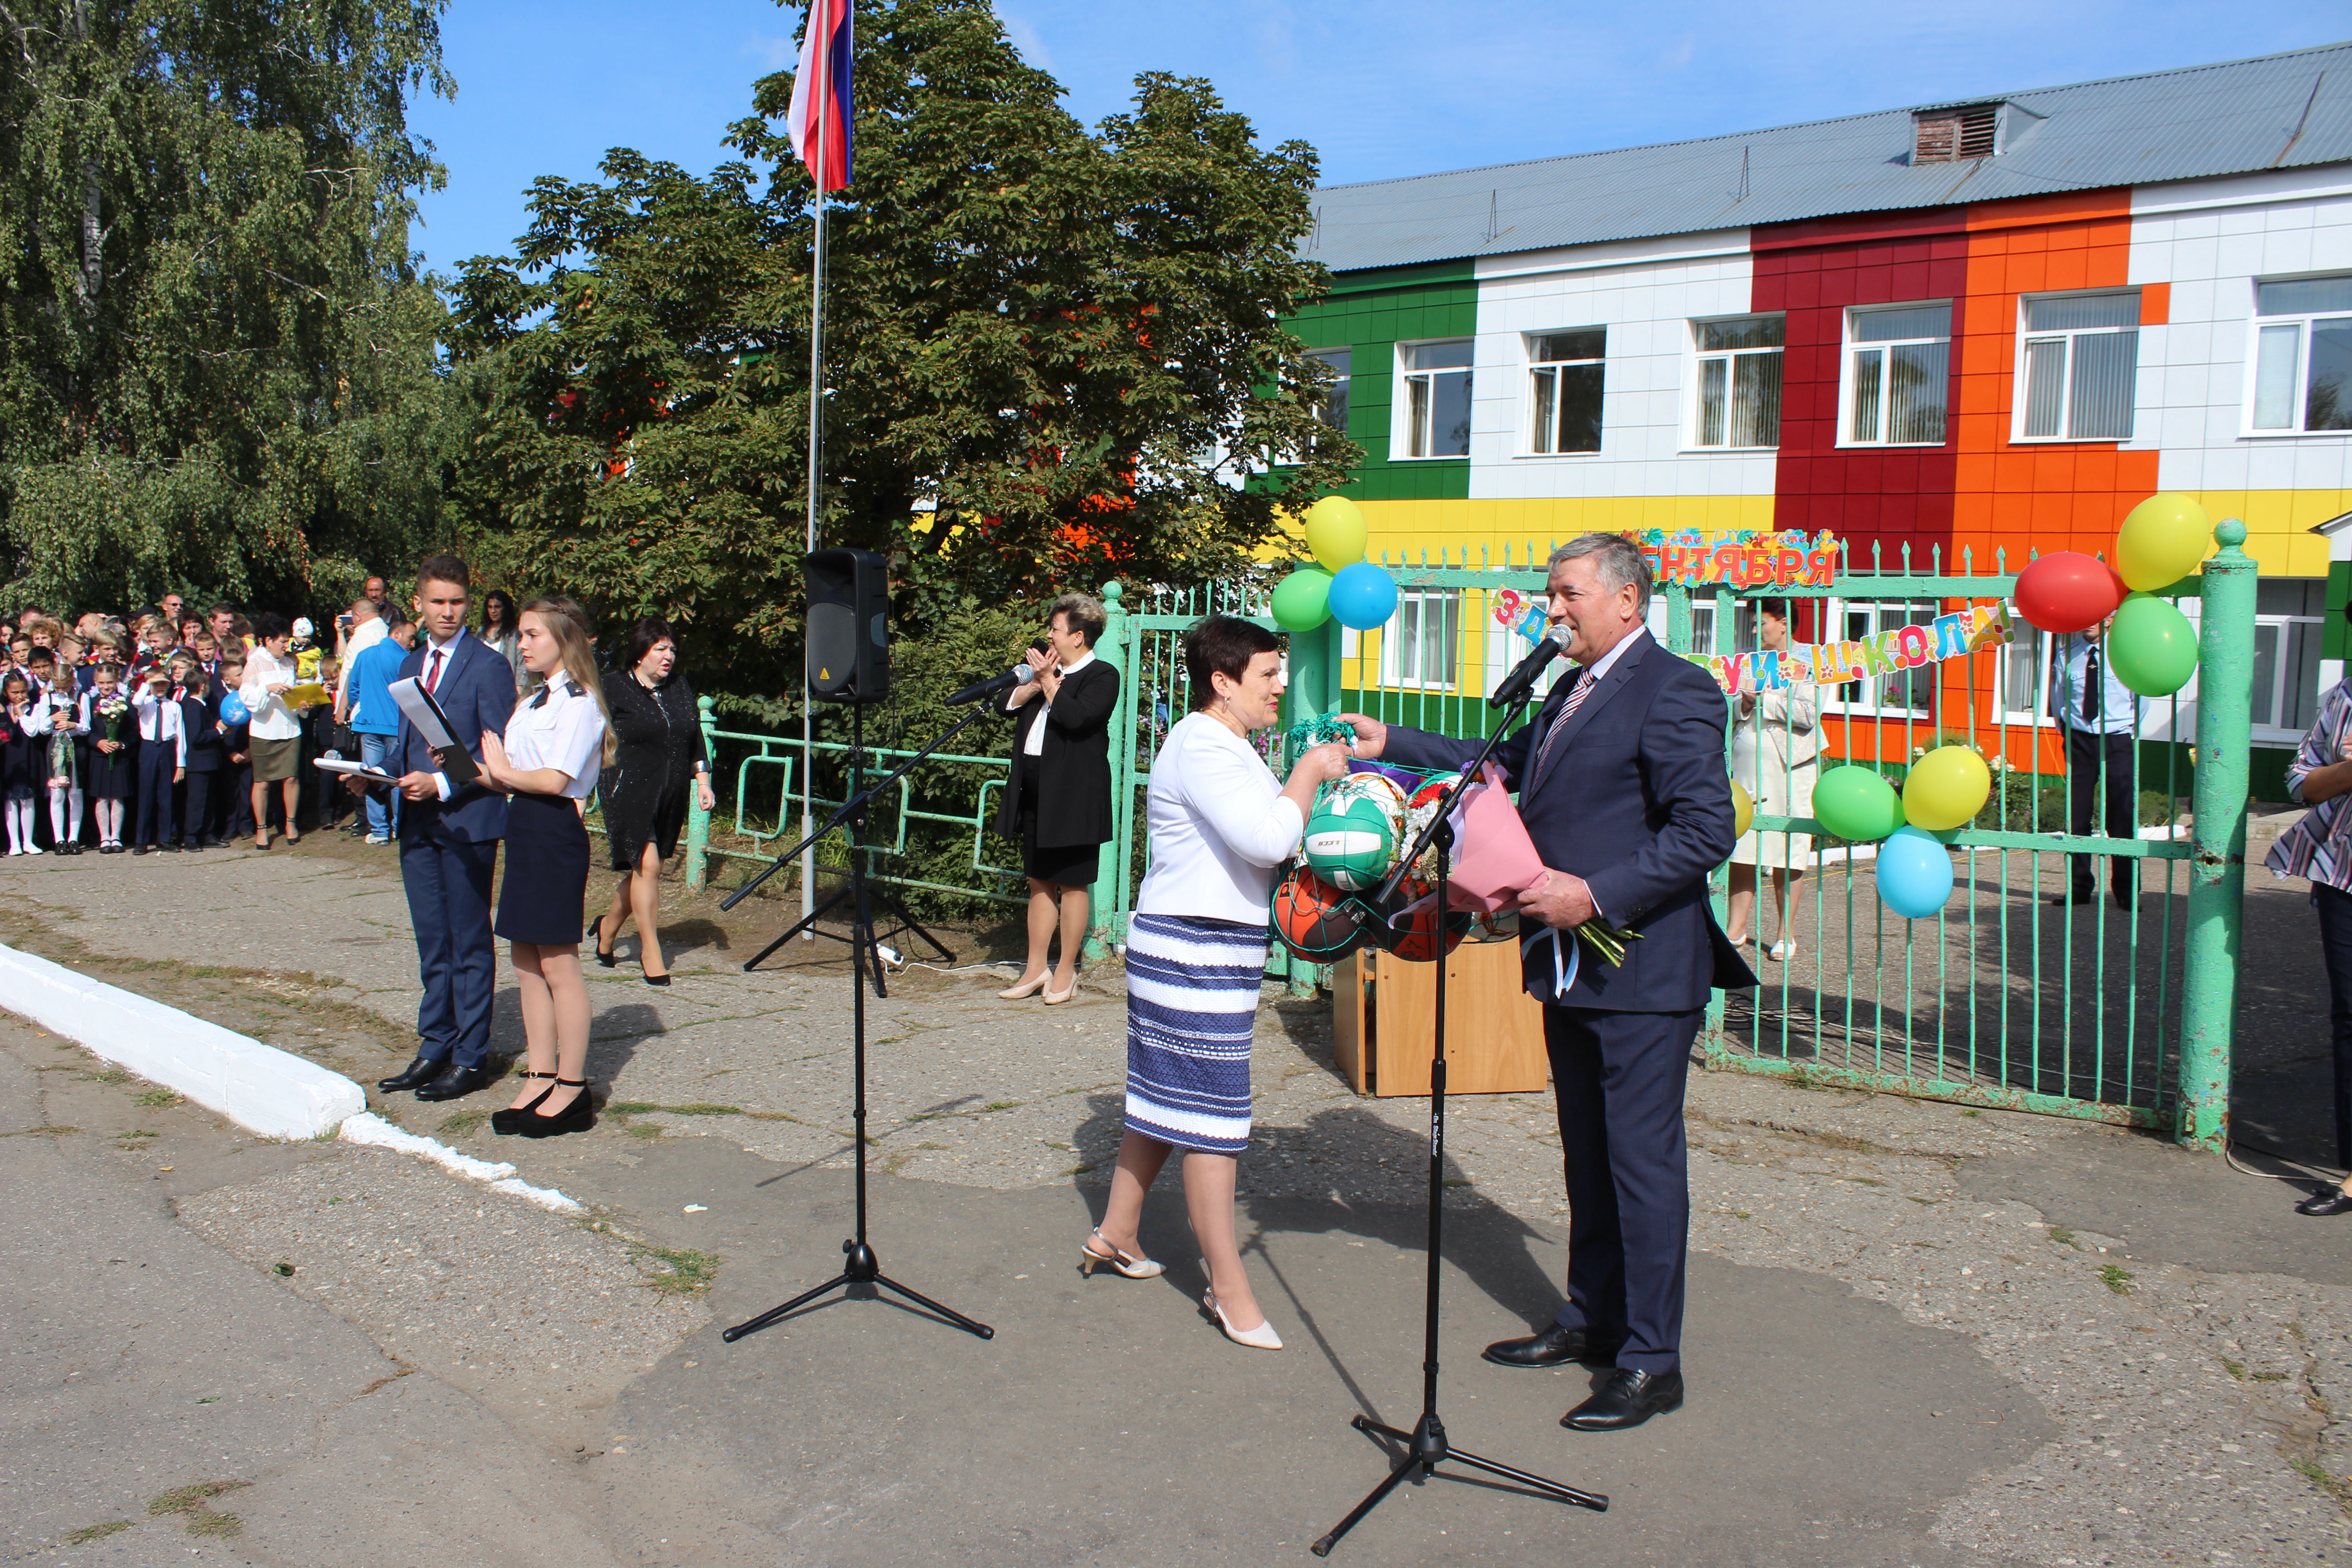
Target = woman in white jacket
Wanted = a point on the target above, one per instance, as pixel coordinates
(1776, 744)
(1196, 949)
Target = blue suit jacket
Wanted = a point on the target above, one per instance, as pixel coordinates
(477, 690)
(1635, 799)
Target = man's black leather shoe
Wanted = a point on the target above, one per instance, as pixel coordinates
(459, 1081)
(1626, 1398)
(1553, 1346)
(2326, 1200)
(416, 1075)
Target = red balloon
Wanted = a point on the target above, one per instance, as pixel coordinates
(2067, 591)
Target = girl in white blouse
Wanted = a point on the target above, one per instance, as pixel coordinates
(548, 761)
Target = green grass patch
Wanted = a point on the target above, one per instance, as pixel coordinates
(136, 1133)
(157, 1099)
(2236, 1369)
(2063, 1236)
(188, 1502)
(463, 1122)
(2268, 1376)
(2118, 1279)
(109, 1074)
(679, 1271)
(90, 1532)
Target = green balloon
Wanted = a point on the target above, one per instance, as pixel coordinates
(1856, 803)
(1301, 601)
(2151, 647)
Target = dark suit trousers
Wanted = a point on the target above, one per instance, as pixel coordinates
(2098, 764)
(2335, 909)
(1619, 1080)
(154, 822)
(195, 807)
(448, 885)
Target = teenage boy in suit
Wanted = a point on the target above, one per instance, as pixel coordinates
(449, 835)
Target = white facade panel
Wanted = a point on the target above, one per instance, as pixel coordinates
(1646, 293)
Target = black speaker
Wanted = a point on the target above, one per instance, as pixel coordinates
(848, 627)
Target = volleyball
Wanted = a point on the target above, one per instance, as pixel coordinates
(1350, 841)
(1315, 920)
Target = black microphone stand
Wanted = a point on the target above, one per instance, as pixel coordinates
(1426, 1445)
(862, 1268)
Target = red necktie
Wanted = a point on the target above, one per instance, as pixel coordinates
(433, 676)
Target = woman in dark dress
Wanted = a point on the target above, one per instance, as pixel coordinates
(661, 755)
(1057, 801)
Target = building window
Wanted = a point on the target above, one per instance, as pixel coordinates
(1906, 691)
(1437, 398)
(2290, 619)
(2303, 355)
(2080, 362)
(1898, 376)
(1738, 382)
(1333, 410)
(1564, 389)
(2024, 675)
(1417, 648)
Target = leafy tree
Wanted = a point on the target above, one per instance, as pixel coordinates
(217, 366)
(1053, 354)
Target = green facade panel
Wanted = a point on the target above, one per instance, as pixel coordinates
(1369, 313)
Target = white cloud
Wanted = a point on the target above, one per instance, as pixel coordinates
(1025, 39)
(774, 54)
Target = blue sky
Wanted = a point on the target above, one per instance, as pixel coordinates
(1381, 88)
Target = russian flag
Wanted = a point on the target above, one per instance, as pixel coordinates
(823, 109)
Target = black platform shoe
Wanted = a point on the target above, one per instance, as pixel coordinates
(577, 1117)
(504, 1121)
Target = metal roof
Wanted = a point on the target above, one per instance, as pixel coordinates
(2289, 111)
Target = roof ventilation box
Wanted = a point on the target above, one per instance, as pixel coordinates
(1955, 133)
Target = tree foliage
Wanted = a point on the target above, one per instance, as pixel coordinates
(1054, 354)
(217, 367)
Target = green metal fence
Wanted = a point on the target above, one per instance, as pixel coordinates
(2115, 1012)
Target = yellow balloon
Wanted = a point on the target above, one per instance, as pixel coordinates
(1743, 808)
(1336, 531)
(2161, 542)
(1945, 789)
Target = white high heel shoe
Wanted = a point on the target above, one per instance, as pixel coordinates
(1127, 1263)
(1261, 1338)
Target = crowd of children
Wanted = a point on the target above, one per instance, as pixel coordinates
(138, 734)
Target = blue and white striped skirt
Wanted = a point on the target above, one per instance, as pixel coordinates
(1191, 1003)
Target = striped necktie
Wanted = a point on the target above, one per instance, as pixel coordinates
(1551, 736)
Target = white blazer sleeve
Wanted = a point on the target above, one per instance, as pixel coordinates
(1227, 785)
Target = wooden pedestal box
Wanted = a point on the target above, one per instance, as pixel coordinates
(1383, 1010)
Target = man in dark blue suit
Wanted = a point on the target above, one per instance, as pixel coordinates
(1622, 784)
(449, 835)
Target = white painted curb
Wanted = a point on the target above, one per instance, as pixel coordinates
(274, 1093)
(369, 1128)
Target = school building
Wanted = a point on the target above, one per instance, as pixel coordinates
(1969, 330)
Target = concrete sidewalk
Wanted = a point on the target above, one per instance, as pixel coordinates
(1906, 1345)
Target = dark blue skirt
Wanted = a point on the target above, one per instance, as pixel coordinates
(546, 885)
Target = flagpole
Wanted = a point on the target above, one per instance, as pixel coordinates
(815, 454)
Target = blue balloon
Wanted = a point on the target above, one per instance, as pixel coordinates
(233, 709)
(1914, 873)
(1362, 596)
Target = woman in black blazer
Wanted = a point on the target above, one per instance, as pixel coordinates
(1057, 801)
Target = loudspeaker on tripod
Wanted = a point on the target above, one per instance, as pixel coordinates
(848, 627)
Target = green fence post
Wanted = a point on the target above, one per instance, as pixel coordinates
(2217, 864)
(697, 821)
(1313, 692)
(1107, 925)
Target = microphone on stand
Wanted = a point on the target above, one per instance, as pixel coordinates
(1520, 682)
(980, 690)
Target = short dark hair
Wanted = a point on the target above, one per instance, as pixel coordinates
(270, 624)
(223, 608)
(1223, 645)
(1772, 608)
(650, 630)
(1085, 613)
(445, 568)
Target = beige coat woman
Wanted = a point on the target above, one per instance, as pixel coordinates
(1776, 742)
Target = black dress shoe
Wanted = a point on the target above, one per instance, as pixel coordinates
(459, 1083)
(1626, 1398)
(2326, 1200)
(503, 1122)
(416, 1075)
(576, 1117)
(2079, 896)
(1554, 1346)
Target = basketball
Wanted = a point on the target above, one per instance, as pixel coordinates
(1315, 920)
(1349, 844)
(1415, 939)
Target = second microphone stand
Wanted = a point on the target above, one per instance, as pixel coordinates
(1426, 1445)
(861, 1267)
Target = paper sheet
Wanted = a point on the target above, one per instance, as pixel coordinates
(416, 705)
(352, 770)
